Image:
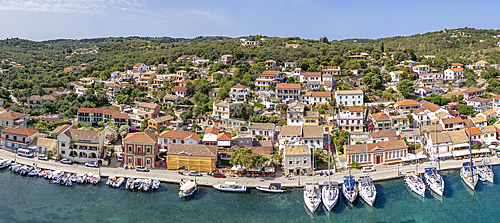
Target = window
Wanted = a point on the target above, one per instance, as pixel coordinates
(148, 150)
(182, 141)
(305, 161)
(174, 141)
(297, 161)
(130, 160)
(130, 149)
(63, 152)
(290, 161)
(148, 162)
(63, 144)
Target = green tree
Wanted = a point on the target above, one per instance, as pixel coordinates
(247, 159)
(492, 121)
(222, 94)
(405, 87)
(466, 110)
(243, 111)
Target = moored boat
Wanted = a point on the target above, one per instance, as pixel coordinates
(111, 180)
(350, 189)
(367, 189)
(230, 186)
(330, 194)
(312, 196)
(118, 183)
(484, 171)
(155, 185)
(434, 180)
(468, 175)
(187, 188)
(130, 183)
(272, 188)
(415, 183)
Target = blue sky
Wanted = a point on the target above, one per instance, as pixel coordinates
(310, 19)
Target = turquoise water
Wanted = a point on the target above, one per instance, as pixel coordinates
(35, 200)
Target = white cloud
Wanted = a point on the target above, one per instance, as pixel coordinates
(69, 6)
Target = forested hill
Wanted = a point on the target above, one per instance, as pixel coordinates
(461, 45)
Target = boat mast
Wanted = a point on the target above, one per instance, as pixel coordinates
(437, 146)
(329, 161)
(470, 151)
(367, 162)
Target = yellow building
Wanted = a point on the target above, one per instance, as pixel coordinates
(199, 157)
(162, 121)
(147, 78)
(311, 118)
(225, 108)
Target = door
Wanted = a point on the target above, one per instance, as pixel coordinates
(378, 159)
(139, 162)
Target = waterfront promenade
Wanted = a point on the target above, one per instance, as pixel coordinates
(172, 176)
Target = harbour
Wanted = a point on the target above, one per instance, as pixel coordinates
(35, 200)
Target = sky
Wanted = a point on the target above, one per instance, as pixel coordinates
(309, 19)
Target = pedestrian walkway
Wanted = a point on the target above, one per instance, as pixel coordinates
(172, 176)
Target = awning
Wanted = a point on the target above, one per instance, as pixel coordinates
(485, 151)
(269, 169)
(237, 168)
(413, 157)
(162, 150)
(462, 152)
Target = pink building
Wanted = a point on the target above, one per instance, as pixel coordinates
(149, 110)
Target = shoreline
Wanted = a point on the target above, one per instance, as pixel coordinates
(382, 173)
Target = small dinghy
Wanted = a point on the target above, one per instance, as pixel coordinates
(156, 185)
(118, 183)
(130, 183)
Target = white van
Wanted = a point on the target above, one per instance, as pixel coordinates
(25, 153)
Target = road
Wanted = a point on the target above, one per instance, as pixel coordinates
(382, 173)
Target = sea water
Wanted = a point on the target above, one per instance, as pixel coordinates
(24, 199)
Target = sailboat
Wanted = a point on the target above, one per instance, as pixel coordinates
(484, 171)
(367, 189)
(330, 191)
(350, 189)
(312, 194)
(467, 172)
(432, 176)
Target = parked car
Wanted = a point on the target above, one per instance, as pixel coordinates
(141, 168)
(120, 157)
(218, 175)
(43, 157)
(92, 164)
(194, 173)
(66, 161)
(367, 169)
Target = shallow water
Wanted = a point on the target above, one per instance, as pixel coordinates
(35, 200)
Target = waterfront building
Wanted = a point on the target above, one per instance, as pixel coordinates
(378, 153)
(80, 145)
(180, 137)
(18, 137)
(12, 119)
(202, 158)
(140, 149)
(297, 160)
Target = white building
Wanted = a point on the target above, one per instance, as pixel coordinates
(421, 69)
(239, 93)
(454, 74)
(266, 130)
(179, 137)
(395, 75)
(295, 114)
(141, 67)
(349, 98)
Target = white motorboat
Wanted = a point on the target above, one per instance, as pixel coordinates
(44, 173)
(434, 180)
(415, 183)
(111, 180)
(350, 189)
(118, 183)
(146, 184)
(312, 196)
(137, 184)
(130, 183)
(367, 189)
(5, 163)
(187, 188)
(484, 171)
(330, 194)
(80, 178)
(230, 186)
(272, 188)
(468, 174)
(155, 185)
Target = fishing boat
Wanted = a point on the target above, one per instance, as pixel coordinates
(155, 185)
(434, 180)
(312, 196)
(96, 179)
(44, 173)
(118, 183)
(130, 183)
(34, 172)
(24, 170)
(230, 186)
(80, 178)
(111, 181)
(146, 184)
(484, 171)
(187, 188)
(272, 188)
(367, 189)
(330, 194)
(415, 183)
(4, 163)
(88, 177)
(330, 191)
(137, 184)
(468, 175)
(14, 167)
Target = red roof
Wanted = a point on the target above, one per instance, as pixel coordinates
(311, 74)
(321, 94)
(288, 86)
(269, 73)
(239, 86)
(179, 88)
(138, 64)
